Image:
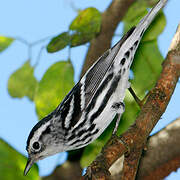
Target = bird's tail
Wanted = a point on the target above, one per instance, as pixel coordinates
(146, 21)
(131, 40)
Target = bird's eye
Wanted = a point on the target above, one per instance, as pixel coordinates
(36, 145)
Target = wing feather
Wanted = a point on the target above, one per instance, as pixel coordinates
(92, 79)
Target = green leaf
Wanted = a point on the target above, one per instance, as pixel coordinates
(79, 39)
(146, 67)
(85, 26)
(156, 28)
(5, 42)
(90, 152)
(55, 84)
(12, 164)
(59, 42)
(135, 13)
(22, 82)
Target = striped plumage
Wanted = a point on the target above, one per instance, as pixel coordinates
(92, 103)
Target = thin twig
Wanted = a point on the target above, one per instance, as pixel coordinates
(22, 40)
(41, 40)
(139, 102)
(31, 45)
(39, 56)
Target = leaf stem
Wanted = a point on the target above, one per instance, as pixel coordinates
(39, 56)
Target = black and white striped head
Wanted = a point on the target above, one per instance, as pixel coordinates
(43, 141)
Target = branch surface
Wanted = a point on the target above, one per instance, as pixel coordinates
(160, 158)
(68, 171)
(163, 153)
(151, 112)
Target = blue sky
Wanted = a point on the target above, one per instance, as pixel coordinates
(35, 20)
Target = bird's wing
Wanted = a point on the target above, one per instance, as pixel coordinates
(93, 77)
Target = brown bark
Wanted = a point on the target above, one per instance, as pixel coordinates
(130, 165)
(160, 158)
(163, 153)
(67, 171)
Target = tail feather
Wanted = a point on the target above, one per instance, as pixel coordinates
(146, 21)
(132, 40)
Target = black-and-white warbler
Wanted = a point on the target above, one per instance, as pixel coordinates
(92, 103)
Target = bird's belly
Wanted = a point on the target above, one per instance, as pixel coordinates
(104, 119)
(93, 127)
(107, 115)
(99, 124)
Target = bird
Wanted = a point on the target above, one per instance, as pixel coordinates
(93, 102)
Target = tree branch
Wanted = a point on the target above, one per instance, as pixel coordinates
(161, 157)
(130, 165)
(150, 113)
(163, 153)
(69, 170)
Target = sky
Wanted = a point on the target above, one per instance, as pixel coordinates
(36, 20)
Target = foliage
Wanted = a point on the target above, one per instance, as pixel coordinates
(58, 79)
(59, 42)
(82, 29)
(5, 42)
(54, 85)
(22, 82)
(12, 164)
(85, 26)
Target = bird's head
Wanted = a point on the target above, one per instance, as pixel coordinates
(43, 141)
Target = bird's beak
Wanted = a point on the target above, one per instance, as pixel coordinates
(30, 162)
